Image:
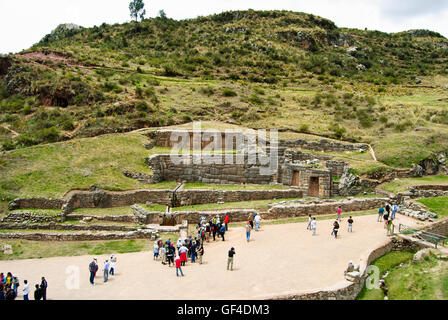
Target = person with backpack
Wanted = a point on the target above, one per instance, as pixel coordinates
(335, 229)
(200, 253)
(248, 230)
(170, 254)
(350, 224)
(37, 293)
(92, 269)
(223, 231)
(230, 259)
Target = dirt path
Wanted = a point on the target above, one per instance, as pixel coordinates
(13, 133)
(280, 259)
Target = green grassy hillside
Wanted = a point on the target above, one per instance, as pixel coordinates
(260, 69)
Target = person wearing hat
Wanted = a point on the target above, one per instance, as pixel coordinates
(230, 259)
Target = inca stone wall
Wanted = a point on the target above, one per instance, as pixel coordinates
(140, 234)
(298, 210)
(29, 217)
(36, 203)
(304, 177)
(191, 197)
(323, 145)
(200, 168)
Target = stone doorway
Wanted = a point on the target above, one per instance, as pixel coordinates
(295, 181)
(313, 188)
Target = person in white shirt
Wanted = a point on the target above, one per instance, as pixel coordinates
(26, 290)
(310, 220)
(314, 226)
(113, 265)
(257, 222)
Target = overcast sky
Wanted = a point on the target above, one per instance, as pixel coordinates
(25, 22)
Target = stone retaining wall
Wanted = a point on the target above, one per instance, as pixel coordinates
(192, 197)
(298, 210)
(29, 217)
(323, 145)
(118, 218)
(79, 236)
(193, 217)
(440, 227)
(36, 203)
(59, 226)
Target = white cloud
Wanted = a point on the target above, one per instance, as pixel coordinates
(25, 22)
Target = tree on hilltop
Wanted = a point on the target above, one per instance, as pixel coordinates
(137, 9)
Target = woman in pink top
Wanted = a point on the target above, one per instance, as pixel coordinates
(339, 214)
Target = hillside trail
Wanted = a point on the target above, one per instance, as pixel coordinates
(14, 133)
(372, 152)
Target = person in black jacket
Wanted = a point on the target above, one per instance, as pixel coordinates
(230, 259)
(335, 229)
(37, 293)
(10, 294)
(43, 288)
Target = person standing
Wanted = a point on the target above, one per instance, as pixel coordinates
(230, 259)
(314, 226)
(113, 265)
(26, 290)
(388, 208)
(214, 230)
(223, 231)
(193, 252)
(37, 293)
(380, 214)
(251, 220)
(200, 254)
(248, 230)
(386, 219)
(156, 251)
(339, 214)
(310, 220)
(350, 224)
(257, 222)
(335, 229)
(170, 255)
(106, 270)
(226, 221)
(92, 269)
(178, 267)
(183, 254)
(394, 211)
(163, 254)
(15, 285)
(43, 288)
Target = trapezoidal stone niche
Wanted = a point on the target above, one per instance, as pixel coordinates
(313, 182)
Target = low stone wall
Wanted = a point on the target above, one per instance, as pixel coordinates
(29, 217)
(118, 218)
(193, 217)
(441, 187)
(61, 226)
(140, 234)
(346, 290)
(297, 210)
(36, 203)
(440, 227)
(323, 145)
(192, 197)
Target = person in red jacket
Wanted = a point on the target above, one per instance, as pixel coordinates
(226, 221)
(178, 267)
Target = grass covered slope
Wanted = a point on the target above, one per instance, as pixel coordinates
(53, 169)
(302, 73)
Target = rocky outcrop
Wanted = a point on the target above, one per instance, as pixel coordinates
(349, 183)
